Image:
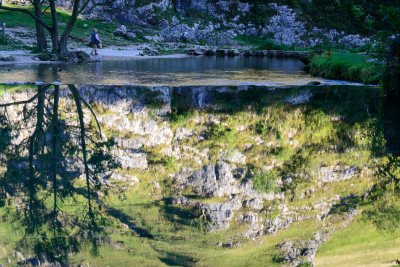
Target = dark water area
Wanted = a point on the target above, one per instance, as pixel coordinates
(188, 71)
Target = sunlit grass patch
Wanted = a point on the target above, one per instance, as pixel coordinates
(361, 244)
(345, 66)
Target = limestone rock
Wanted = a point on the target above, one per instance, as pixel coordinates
(121, 31)
(337, 174)
(131, 159)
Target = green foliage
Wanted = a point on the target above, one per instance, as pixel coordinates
(261, 43)
(10, 44)
(220, 133)
(272, 215)
(345, 66)
(193, 15)
(180, 116)
(357, 11)
(352, 16)
(82, 30)
(385, 214)
(375, 137)
(266, 182)
(259, 14)
(391, 15)
(139, 3)
(169, 162)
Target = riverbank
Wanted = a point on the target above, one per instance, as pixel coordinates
(110, 53)
(346, 66)
(343, 65)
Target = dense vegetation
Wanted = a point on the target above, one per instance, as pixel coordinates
(353, 16)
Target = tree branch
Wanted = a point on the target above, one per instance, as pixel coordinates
(22, 10)
(26, 101)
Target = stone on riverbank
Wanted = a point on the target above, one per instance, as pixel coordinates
(7, 58)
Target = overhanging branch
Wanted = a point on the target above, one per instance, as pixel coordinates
(22, 10)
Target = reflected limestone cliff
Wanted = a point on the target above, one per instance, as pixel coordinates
(173, 172)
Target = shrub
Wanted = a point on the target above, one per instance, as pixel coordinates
(180, 116)
(265, 182)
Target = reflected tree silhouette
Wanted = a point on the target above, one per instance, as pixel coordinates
(45, 149)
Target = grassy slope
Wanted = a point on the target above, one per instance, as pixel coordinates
(16, 19)
(345, 66)
(360, 245)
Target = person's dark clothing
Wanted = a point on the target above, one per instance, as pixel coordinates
(93, 39)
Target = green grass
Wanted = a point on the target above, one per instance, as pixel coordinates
(16, 88)
(82, 30)
(345, 66)
(261, 43)
(361, 244)
(165, 52)
(265, 182)
(10, 44)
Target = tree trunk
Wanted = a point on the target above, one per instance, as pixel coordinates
(62, 45)
(54, 153)
(33, 152)
(54, 29)
(62, 49)
(78, 103)
(40, 33)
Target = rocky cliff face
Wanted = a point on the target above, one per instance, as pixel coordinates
(216, 22)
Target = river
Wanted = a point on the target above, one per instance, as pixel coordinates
(188, 71)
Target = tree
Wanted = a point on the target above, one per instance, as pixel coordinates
(41, 41)
(391, 76)
(59, 41)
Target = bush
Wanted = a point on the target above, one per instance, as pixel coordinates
(180, 116)
(266, 182)
(221, 134)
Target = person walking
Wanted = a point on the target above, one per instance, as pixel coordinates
(95, 42)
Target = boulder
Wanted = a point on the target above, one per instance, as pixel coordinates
(233, 52)
(222, 52)
(121, 31)
(7, 58)
(130, 35)
(211, 52)
(76, 57)
(337, 174)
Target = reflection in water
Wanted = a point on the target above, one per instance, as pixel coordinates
(178, 72)
(52, 151)
(45, 148)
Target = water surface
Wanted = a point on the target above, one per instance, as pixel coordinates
(188, 71)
